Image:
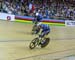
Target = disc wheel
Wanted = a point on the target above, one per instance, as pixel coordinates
(45, 42)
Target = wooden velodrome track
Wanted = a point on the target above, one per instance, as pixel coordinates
(15, 38)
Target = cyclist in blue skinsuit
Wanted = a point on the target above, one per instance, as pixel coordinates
(45, 29)
(38, 17)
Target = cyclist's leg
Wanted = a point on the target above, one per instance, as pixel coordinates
(44, 32)
(34, 26)
(37, 30)
(34, 29)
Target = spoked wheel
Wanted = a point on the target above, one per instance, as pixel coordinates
(45, 42)
(33, 43)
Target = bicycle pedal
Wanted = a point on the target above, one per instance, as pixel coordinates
(39, 43)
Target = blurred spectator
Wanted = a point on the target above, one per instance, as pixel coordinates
(0, 5)
(58, 9)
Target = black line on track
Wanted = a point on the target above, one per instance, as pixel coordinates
(41, 54)
(47, 54)
(64, 57)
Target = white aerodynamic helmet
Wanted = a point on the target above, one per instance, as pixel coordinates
(37, 14)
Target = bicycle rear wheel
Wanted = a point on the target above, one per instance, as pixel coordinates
(45, 42)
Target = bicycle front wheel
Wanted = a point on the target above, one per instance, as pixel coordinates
(33, 43)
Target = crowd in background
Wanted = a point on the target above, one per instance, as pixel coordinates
(48, 8)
